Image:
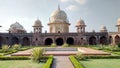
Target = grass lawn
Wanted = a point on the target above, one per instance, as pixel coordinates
(101, 63)
(20, 64)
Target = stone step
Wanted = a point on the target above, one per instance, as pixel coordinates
(61, 49)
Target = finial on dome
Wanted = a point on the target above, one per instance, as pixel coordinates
(58, 6)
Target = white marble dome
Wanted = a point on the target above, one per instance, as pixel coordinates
(16, 26)
(37, 23)
(58, 16)
(80, 22)
(118, 22)
(103, 28)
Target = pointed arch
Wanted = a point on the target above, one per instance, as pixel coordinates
(103, 40)
(92, 40)
(59, 41)
(15, 40)
(70, 41)
(48, 41)
(25, 41)
(117, 39)
(1, 41)
(110, 39)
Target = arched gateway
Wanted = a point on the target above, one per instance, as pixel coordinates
(48, 41)
(59, 41)
(70, 41)
(25, 41)
(1, 40)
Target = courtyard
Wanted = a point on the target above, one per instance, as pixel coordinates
(61, 58)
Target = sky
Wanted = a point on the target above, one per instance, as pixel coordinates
(95, 13)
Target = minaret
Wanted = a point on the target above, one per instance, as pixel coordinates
(118, 25)
(58, 6)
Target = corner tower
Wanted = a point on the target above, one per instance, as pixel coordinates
(58, 22)
(118, 25)
(80, 26)
(37, 26)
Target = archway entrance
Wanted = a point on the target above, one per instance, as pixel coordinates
(110, 40)
(103, 40)
(48, 41)
(59, 41)
(70, 41)
(117, 39)
(15, 40)
(25, 41)
(1, 40)
(92, 40)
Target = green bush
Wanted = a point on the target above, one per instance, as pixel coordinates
(102, 57)
(65, 45)
(5, 48)
(10, 52)
(80, 56)
(1, 54)
(22, 49)
(119, 45)
(14, 58)
(48, 64)
(16, 47)
(37, 53)
(53, 45)
(75, 62)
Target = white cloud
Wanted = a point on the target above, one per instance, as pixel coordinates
(72, 8)
(64, 0)
(82, 2)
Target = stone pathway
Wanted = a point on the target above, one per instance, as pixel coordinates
(89, 51)
(22, 53)
(62, 62)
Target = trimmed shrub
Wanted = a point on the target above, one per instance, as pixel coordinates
(103, 57)
(48, 64)
(53, 45)
(80, 56)
(75, 62)
(65, 45)
(16, 47)
(37, 53)
(119, 45)
(5, 48)
(14, 58)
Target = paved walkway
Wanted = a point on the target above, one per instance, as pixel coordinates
(62, 62)
(89, 51)
(22, 53)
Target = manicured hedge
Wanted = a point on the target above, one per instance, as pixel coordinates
(102, 57)
(75, 62)
(14, 58)
(48, 64)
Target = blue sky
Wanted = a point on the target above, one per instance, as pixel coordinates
(95, 13)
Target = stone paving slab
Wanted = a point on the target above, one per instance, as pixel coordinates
(62, 62)
(89, 51)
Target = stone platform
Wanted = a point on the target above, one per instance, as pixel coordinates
(64, 52)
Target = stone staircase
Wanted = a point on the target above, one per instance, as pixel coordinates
(60, 51)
